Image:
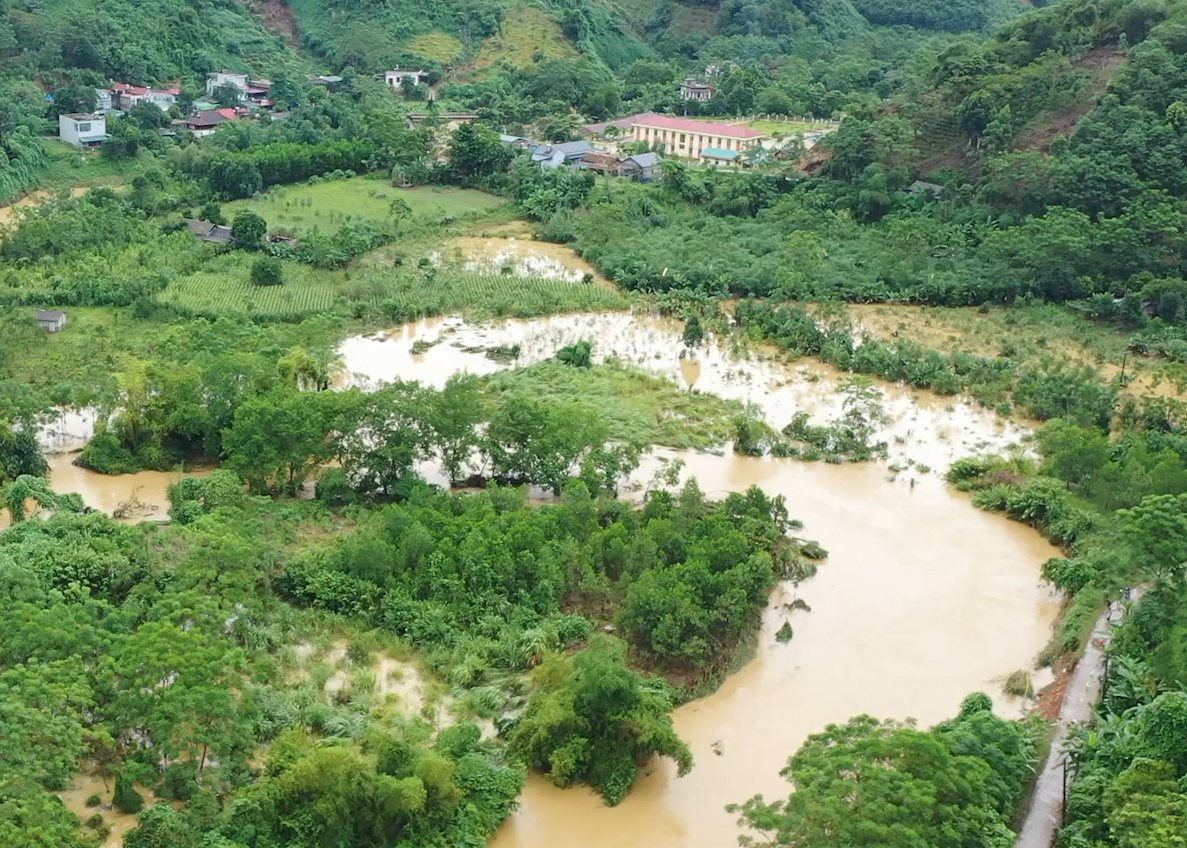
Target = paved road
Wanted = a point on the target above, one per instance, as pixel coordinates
(1083, 693)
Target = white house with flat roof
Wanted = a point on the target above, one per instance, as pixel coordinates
(51, 320)
(396, 78)
(82, 129)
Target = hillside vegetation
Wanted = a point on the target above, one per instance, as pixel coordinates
(1025, 165)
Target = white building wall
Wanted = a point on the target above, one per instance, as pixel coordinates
(80, 130)
(215, 80)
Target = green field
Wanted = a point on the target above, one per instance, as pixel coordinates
(69, 167)
(328, 204)
(437, 45)
(774, 128)
(495, 295)
(223, 287)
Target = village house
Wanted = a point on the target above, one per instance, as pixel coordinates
(692, 89)
(207, 231)
(124, 96)
(601, 162)
(103, 101)
(714, 156)
(693, 139)
(608, 132)
(203, 123)
(395, 79)
(920, 187)
(259, 91)
(82, 129)
(51, 320)
(642, 167)
(224, 77)
(560, 155)
(516, 142)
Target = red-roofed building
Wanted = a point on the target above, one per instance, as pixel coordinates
(687, 138)
(624, 125)
(258, 90)
(204, 123)
(124, 96)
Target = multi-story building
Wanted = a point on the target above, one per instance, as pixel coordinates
(699, 140)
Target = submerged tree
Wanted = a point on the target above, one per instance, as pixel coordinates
(594, 721)
(25, 488)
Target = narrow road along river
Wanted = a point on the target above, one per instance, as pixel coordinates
(1079, 701)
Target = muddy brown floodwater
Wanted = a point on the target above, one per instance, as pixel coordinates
(923, 598)
(921, 427)
(139, 497)
(526, 256)
(8, 213)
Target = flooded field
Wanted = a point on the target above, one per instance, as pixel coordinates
(9, 213)
(923, 599)
(921, 427)
(85, 787)
(129, 497)
(521, 254)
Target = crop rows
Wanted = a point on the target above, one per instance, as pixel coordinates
(209, 293)
(401, 296)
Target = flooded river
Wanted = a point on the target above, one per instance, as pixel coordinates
(920, 426)
(923, 599)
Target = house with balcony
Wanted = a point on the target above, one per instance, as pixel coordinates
(692, 89)
(125, 97)
(218, 79)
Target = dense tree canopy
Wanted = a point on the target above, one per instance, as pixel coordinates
(884, 783)
(592, 720)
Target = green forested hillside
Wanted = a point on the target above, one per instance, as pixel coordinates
(950, 15)
(375, 36)
(145, 41)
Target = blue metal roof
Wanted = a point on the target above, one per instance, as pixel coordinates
(719, 153)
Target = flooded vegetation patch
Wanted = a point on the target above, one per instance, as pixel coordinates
(642, 408)
(918, 428)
